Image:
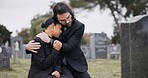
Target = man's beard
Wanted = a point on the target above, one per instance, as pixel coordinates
(68, 24)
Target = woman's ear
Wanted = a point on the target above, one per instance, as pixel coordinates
(52, 26)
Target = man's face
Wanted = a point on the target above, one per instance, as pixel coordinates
(65, 19)
(57, 30)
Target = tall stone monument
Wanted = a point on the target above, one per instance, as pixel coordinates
(98, 45)
(17, 47)
(134, 48)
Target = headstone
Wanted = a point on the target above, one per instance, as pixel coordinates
(92, 47)
(17, 47)
(98, 45)
(116, 50)
(27, 56)
(134, 48)
(4, 58)
(86, 50)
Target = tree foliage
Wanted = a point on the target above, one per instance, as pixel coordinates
(36, 23)
(118, 9)
(5, 34)
(132, 7)
(85, 39)
(116, 37)
(29, 33)
(25, 34)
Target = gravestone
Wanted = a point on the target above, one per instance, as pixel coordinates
(115, 52)
(17, 48)
(98, 45)
(4, 58)
(86, 51)
(134, 48)
(27, 56)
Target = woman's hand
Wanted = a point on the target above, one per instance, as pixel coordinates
(56, 74)
(57, 45)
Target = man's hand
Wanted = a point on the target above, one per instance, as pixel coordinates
(43, 36)
(32, 46)
(57, 45)
(56, 74)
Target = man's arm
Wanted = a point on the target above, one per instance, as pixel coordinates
(74, 41)
(32, 46)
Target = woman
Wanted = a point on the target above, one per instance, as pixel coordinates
(46, 63)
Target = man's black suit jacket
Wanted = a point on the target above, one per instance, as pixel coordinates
(71, 40)
(44, 62)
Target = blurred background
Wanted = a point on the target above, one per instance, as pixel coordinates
(20, 21)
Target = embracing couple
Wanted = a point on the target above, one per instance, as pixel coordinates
(56, 51)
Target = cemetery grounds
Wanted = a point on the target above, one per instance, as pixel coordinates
(99, 68)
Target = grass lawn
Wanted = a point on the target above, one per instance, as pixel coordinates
(103, 68)
(99, 68)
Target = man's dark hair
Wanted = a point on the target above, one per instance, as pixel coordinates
(61, 8)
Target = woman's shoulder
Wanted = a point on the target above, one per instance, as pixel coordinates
(37, 39)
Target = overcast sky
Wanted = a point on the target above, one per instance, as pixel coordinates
(17, 14)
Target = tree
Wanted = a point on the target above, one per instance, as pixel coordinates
(30, 33)
(25, 34)
(85, 39)
(118, 9)
(116, 38)
(36, 23)
(5, 35)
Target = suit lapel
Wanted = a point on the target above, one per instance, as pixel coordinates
(68, 32)
(71, 30)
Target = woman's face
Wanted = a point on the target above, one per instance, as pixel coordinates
(57, 30)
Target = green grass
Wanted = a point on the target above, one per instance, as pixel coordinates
(103, 68)
(99, 68)
(19, 70)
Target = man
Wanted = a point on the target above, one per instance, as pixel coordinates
(72, 32)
